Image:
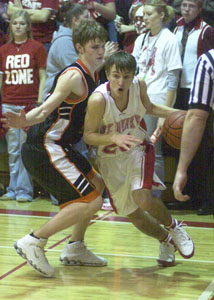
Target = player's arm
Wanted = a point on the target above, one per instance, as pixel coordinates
(94, 115)
(156, 110)
(194, 126)
(67, 83)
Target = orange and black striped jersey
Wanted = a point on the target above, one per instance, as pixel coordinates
(64, 126)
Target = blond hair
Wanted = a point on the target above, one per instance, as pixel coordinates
(26, 17)
(162, 7)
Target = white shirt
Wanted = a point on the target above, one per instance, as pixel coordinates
(158, 55)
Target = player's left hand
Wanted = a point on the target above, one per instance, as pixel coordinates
(14, 120)
(178, 186)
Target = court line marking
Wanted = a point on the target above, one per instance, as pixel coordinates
(125, 255)
(97, 220)
(207, 293)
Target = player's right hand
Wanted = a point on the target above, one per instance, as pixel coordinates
(126, 141)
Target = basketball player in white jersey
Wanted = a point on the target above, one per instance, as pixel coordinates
(125, 155)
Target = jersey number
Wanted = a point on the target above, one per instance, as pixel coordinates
(111, 149)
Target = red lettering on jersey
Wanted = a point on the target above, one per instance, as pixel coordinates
(110, 149)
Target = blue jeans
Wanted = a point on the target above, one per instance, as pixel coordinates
(151, 123)
(20, 181)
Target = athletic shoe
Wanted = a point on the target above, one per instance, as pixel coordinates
(182, 240)
(77, 254)
(167, 253)
(32, 249)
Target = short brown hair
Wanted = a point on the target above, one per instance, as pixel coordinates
(88, 30)
(122, 60)
(198, 2)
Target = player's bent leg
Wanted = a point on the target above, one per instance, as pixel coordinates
(157, 209)
(69, 215)
(154, 206)
(76, 253)
(31, 247)
(148, 225)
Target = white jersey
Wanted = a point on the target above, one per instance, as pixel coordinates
(121, 122)
(155, 56)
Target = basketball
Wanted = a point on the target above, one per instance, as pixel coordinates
(172, 128)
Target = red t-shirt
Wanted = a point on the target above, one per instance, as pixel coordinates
(20, 65)
(42, 32)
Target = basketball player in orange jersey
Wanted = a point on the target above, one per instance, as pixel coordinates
(49, 156)
(125, 154)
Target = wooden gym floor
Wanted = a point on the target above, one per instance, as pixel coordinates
(132, 272)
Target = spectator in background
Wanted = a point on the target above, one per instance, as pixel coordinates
(4, 20)
(103, 11)
(131, 31)
(22, 75)
(122, 8)
(158, 58)
(42, 14)
(60, 57)
(207, 11)
(195, 37)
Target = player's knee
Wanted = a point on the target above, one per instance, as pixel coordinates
(94, 206)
